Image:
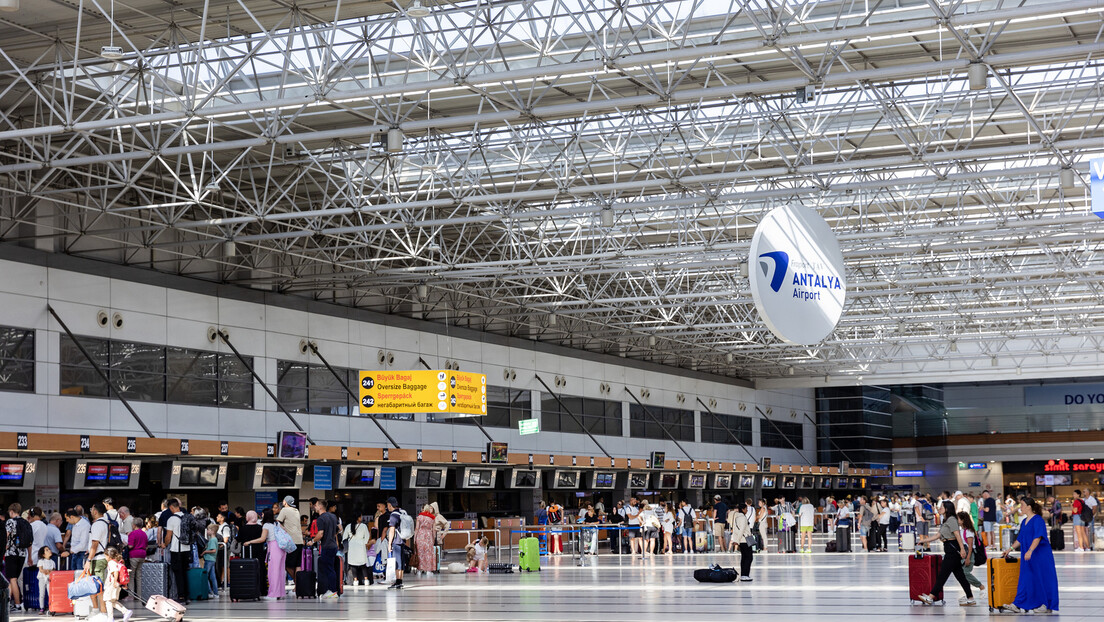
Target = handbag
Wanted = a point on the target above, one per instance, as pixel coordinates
(389, 573)
(85, 585)
(283, 538)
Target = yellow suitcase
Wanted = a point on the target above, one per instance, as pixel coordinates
(1004, 577)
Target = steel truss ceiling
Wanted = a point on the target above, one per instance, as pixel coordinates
(585, 172)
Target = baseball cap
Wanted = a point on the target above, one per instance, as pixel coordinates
(289, 500)
(958, 493)
(716, 496)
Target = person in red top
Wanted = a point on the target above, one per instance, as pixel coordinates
(137, 543)
(1080, 532)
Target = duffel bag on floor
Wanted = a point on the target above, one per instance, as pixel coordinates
(716, 574)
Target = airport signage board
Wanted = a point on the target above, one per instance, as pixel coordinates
(323, 477)
(1062, 466)
(423, 391)
(1085, 394)
(972, 466)
(905, 473)
(797, 275)
(1096, 185)
(528, 426)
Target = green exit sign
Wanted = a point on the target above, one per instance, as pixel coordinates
(528, 426)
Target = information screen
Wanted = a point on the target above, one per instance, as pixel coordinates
(525, 479)
(567, 479)
(278, 476)
(668, 480)
(199, 475)
(293, 445)
(11, 474)
(107, 475)
(697, 481)
(746, 481)
(479, 478)
(361, 476)
(428, 478)
(603, 480)
(768, 481)
(638, 480)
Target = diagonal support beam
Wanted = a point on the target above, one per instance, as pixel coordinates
(660, 424)
(727, 429)
(100, 371)
(348, 389)
(573, 417)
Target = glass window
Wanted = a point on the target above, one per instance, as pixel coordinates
(314, 389)
(782, 434)
(713, 428)
(590, 415)
(505, 407)
(151, 373)
(677, 422)
(17, 359)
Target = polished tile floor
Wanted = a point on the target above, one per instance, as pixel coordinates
(831, 586)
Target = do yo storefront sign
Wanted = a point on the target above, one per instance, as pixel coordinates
(797, 275)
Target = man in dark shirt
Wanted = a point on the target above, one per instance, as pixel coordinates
(988, 518)
(720, 522)
(393, 522)
(327, 553)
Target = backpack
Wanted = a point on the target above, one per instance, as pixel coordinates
(1086, 512)
(124, 575)
(406, 526)
(24, 535)
(189, 526)
(114, 539)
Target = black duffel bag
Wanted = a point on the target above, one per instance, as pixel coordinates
(716, 574)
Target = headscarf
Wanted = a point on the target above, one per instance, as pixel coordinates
(251, 518)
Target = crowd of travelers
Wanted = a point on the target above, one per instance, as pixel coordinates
(362, 548)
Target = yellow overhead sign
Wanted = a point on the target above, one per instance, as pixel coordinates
(423, 391)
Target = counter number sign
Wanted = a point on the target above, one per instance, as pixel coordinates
(21, 440)
(85, 442)
(184, 445)
(224, 448)
(132, 444)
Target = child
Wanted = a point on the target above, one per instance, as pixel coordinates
(210, 555)
(477, 556)
(45, 567)
(112, 588)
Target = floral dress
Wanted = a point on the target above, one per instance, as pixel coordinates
(423, 542)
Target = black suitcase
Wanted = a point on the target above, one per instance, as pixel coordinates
(305, 584)
(245, 579)
(787, 541)
(1057, 539)
(716, 575)
(843, 539)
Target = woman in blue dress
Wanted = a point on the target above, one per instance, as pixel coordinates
(1037, 591)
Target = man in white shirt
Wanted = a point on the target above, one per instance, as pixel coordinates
(112, 514)
(38, 528)
(180, 554)
(962, 504)
(1090, 500)
(126, 522)
(805, 517)
(636, 540)
(97, 544)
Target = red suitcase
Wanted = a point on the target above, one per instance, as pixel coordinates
(923, 570)
(58, 591)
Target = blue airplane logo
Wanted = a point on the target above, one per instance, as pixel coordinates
(781, 265)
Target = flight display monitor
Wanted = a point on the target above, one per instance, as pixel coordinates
(18, 474)
(695, 481)
(825, 483)
(789, 482)
(659, 459)
(197, 475)
(277, 476)
(525, 478)
(768, 481)
(841, 483)
(498, 453)
(603, 480)
(668, 480)
(351, 476)
(479, 477)
(807, 481)
(427, 477)
(722, 481)
(120, 474)
(639, 481)
(746, 482)
(565, 479)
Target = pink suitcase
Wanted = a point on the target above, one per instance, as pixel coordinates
(166, 608)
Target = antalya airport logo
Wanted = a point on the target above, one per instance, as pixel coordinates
(797, 281)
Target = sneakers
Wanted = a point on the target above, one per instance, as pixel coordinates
(126, 616)
(1010, 609)
(927, 599)
(1041, 609)
(967, 601)
(396, 586)
(745, 579)
(328, 596)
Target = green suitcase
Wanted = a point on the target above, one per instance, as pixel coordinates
(198, 587)
(529, 554)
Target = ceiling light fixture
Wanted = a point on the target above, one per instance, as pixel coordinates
(978, 76)
(394, 140)
(1068, 178)
(417, 10)
(607, 217)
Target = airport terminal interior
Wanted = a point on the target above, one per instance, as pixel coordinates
(558, 309)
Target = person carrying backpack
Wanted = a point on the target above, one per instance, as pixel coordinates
(20, 537)
(400, 528)
(327, 554)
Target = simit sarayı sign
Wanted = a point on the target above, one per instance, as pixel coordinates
(1061, 466)
(797, 275)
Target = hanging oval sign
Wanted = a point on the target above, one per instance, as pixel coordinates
(797, 275)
